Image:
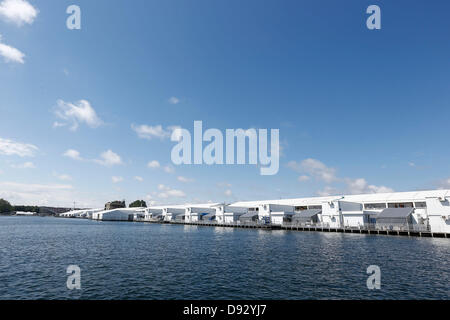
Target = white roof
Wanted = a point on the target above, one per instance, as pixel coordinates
(362, 198)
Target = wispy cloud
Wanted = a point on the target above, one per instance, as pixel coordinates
(174, 100)
(314, 168)
(19, 12)
(11, 54)
(109, 159)
(76, 114)
(73, 154)
(153, 164)
(150, 132)
(10, 148)
(184, 179)
(167, 192)
(169, 169)
(360, 186)
(317, 169)
(25, 165)
(116, 179)
(63, 177)
(303, 178)
(443, 184)
(36, 194)
(137, 178)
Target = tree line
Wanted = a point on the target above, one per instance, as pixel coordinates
(6, 207)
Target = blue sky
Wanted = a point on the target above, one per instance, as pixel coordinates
(358, 110)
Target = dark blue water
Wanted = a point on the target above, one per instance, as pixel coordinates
(121, 260)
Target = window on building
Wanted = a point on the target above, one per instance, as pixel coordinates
(375, 206)
(314, 207)
(420, 204)
(301, 208)
(401, 205)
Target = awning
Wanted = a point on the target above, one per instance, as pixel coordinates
(249, 215)
(209, 216)
(307, 213)
(395, 213)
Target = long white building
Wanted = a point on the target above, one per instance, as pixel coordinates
(416, 211)
(430, 210)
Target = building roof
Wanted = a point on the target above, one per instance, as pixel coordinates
(249, 214)
(361, 198)
(395, 213)
(307, 213)
(209, 215)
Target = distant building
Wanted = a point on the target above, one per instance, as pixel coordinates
(115, 205)
(23, 213)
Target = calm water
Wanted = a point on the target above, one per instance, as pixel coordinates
(121, 260)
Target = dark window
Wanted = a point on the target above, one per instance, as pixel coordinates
(420, 204)
(401, 205)
(375, 206)
(301, 208)
(314, 207)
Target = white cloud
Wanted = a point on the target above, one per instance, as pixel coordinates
(116, 179)
(168, 192)
(228, 193)
(18, 11)
(73, 154)
(63, 177)
(137, 178)
(26, 165)
(184, 179)
(327, 191)
(11, 54)
(444, 184)
(303, 178)
(360, 186)
(224, 184)
(174, 100)
(76, 113)
(315, 168)
(153, 164)
(169, 169)
(10, 148)
(149, 132)
(162, 187)
(58, 124)
(411, 164)
(109, 159)
(36, 194)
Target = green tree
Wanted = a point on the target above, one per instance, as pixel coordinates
(138, 203)
(5, 206)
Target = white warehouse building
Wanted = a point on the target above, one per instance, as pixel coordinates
(430, 209)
